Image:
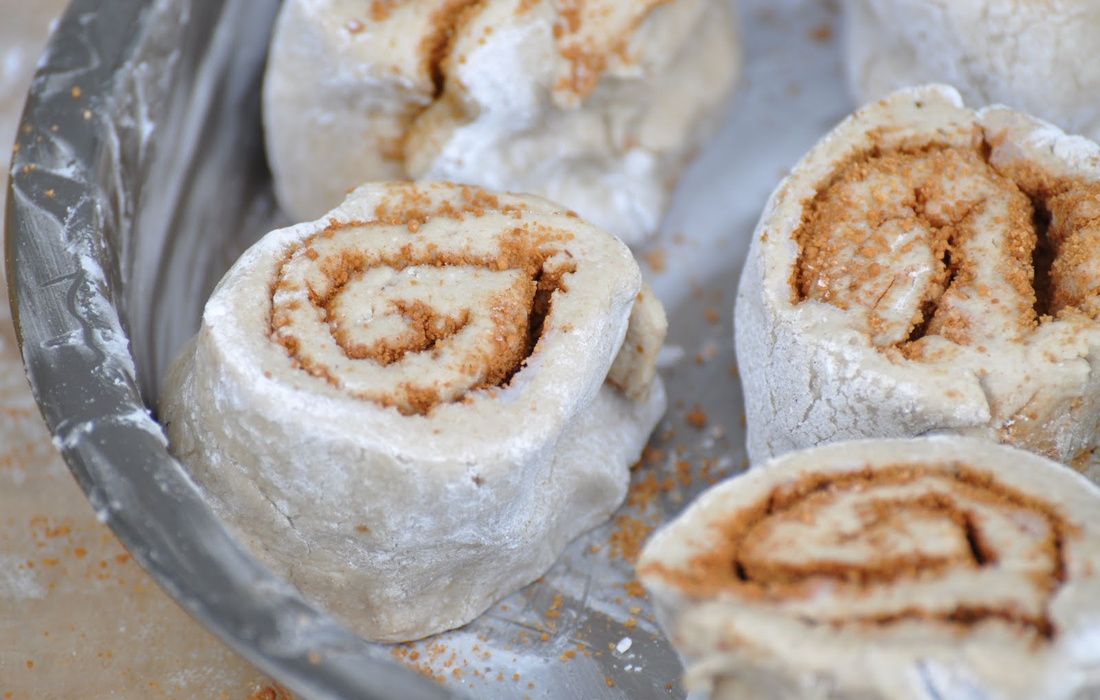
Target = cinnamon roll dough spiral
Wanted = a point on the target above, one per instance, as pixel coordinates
(1036, 57)
(927, 268)
(596, 104)
(410, 406)
(939, 567)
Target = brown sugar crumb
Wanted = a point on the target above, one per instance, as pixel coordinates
(822, 33)
(712, 315)
(271, 692)
(587, 41)
(554, 611)
(630, 623)
(656, 260)
(634, 588)
(652, 455)
(697, 417)
(744, 560)
(609, 682)
(628, 537)
(76, 92)
(1081, 460)
(683, 472)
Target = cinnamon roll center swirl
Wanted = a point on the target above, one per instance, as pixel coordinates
(841, 548)
(940, 241)
(407, 311)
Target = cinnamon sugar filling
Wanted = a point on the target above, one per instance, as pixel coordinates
(849, 535)
(939, 241)
(387, 307)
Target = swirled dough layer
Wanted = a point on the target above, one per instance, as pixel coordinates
(596, 104)
(1031, 56)
(407, 407)
(942, 567)
(927, 268)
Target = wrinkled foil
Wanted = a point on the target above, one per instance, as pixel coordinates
(139, 178)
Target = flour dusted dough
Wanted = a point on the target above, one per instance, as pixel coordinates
(1037, 57)
(927, 268)
(942, 567)
(596, 104)
(402, 406)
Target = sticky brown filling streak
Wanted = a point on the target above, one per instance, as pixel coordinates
(430, 330)
(726, 567)
(1039, 190)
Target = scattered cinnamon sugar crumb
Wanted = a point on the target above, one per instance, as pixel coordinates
(712, 315)
(610, 683)
(652, 455)
(634, 588)
(697, 417)
(1080, 461)
(554, 611)
(271, 692)
(630, 623)
(76, 92)
(628, 537)
(656, 260)
(683, 472)
(822, 33)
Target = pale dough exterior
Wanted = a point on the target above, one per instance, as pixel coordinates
(810, 370)
(808, 646)
(1032, 56)
(596, 104)
(407, 524)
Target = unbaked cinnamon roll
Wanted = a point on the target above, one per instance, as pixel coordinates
(927, 268)
(1036, 57)
(410, 406)
(941, 567)
(597, 104)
